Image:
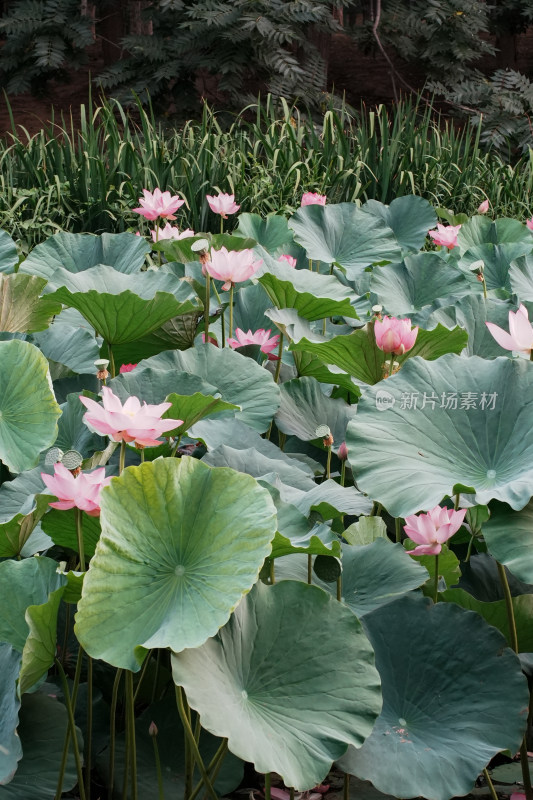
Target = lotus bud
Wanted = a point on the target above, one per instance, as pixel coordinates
(153, 729)
(343, 452)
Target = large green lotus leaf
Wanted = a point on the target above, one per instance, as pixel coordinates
(521, 277)
(77, 252)
(260, 683)
(41, 645)
(365, 531)
(291, 325)
(192, 408)
(153, 385)
(329, 499)
(376, 574)
(471, 426)
(358, 354)
(18, 496)
(250, 305)
(481, 230)
(509, 538)
(346, 235)
(76, 348)
(409, 217)
(8, 253)
(43, 724)
(106, 300)
(10, 748)
(272, 233)
(314, 296)
(28, 410)
(497, 259)
(22, 584)
(181, 543)
(60, 526)
(238, 379)
(481, 579)
(444, 712)
(171, 747)
(178, 333)
(304, 407)
(495, 614)
(310, 366)
(418, 281)
(21, 307)
(449, 566)
(267, 468)
(15, 532)
(297, 534)
(471, 313)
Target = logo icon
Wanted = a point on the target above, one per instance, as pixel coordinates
(384, 400)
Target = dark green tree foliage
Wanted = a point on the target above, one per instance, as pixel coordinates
(42, 39)
(247, 44)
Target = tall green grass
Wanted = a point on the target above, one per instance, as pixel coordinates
(89, 178)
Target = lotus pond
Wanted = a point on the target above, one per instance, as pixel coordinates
(266, 505)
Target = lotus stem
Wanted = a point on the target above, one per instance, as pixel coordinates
(142, 455)
(267, 786)
(524, 763)
(457, 501)
(72, 726)
(436, 583)
(343, 473)
(346, 787)
(391, 365)
(490, 784)
(398, 529)
(88, 748)
(79, 534)
(160, 788)
(278, 362)
(180, 701)
(469, 551)
(328, 464)
(112, 732)
(206, 307)
(142, 675)
(291, 793)
(64, 757)
(130, 706)
(309, 569)
(176, 446)
(213, 769)
(339, 588)
(232, 288)
(272, 572)
(122, 457)
(111, 360)
(156, 676)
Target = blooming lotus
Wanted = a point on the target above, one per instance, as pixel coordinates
(394, 335)
(127, 368)
(170, 232)
(291, 261)
(158, 204)
(520, 336)
(232, 266)
(483, 207)
(260, 337)
(131, 422)
(81, 492)
(529, 224)
(445, 235)
(313, 199)
(222, 204)
(431, 530)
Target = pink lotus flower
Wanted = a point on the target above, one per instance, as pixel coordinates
(210, 339)
(170, 232)
(483, 207)
(431, 530)
(342, 452)
(260, 337)
(232, 266)
(520, 336)
(529, 224)
(222, 204)
(127, 368)
(394, 335)
(81, 492)
(289, 259)
(130, 422)
(445, 235)
(158, 204)
(313, 199)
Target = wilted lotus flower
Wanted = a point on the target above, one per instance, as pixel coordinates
(520, 336)
(445, 235)
(130, 422)
(260, 337)
(529, 224)
(483, 207)
(158, 204)
(127, 368)
(81, 492)
(291, 261)
(431, 530)
(171, 232)
(313, 199)
(394, 335)
(222, 204)
(232, 266)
